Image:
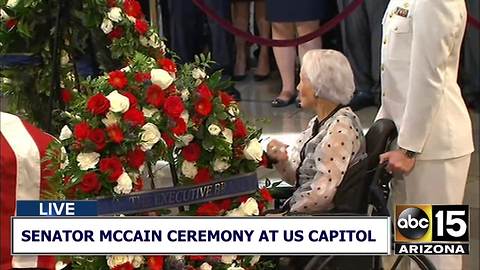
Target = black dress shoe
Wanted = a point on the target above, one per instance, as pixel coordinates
(234, 93)
(260, 78)
(278, 103)
(362, 100)
(238, 78)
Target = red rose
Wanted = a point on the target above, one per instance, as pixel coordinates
(66, 95)
(173, 106)
(192, 152)
(155, 262)
(116, 33)
(171, 90)
(203, 107)
(81, 131)
(136, 158)
(97, 136)
(204, 92)
(224, 204)
(111, 166)
(239, 131)
(131, 98)
(155, 95)
(117, 79)
(197, 120)
(90, 183)
(180, 127)
(197, 258)
(134, 117)
(266, 195)
(203, 176)
(98, 104)
(226, 99)
(208, 209)
(138, 184)
(132, 8)
(125, 266)
(142, 77)
(10, 24)
(167, 64)
(168, 140)
(141, 26)
(115, 133)
(111, 3)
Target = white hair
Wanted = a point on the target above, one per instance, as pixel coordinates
(330, 74)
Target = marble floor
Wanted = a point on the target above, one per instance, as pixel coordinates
(285, 123)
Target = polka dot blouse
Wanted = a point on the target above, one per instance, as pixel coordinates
(317, 161)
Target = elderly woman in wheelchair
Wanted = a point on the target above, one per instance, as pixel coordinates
(333, 141)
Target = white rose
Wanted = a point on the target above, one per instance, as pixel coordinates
(3, 15)
(60, 265)
(115, 14)
(233, 110)
(220, 165)
(118, 102)
(11, 3)
(113, 261)
(184, 140)
(228, 134)
(214, 129)
(149, 136)
(254, 260)
(179, 257)
(138, 261)
(126, 69)
(87, 160)
(189, 169)
(253, 151)
(185, 116)
(65, 133)
(235, 213)
(64, 158)
(249, 207)
(106, 26)
(235, 268)
(198, 74)
(185, 94)
(110, 119)
(155, 42)
(149, 112)
(144, 41)
(64, 59)
(132, 19)
(228, 259)
(124, 184)
(161, 78)
(205, 266)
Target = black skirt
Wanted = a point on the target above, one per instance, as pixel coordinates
(297, 10)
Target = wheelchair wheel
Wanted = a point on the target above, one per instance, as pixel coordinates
(421, 261)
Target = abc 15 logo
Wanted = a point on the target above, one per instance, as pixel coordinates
(429, 223)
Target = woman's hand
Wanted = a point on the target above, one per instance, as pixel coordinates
(277, 150)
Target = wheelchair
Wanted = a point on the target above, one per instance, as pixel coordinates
(364, 190)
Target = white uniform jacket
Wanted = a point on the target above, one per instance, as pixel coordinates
(420, 57)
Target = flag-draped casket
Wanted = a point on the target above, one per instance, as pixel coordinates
(22, 177)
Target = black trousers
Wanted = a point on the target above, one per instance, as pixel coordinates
(186, 29)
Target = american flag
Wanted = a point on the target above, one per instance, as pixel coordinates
(22, 177)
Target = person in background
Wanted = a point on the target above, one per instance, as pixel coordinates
(333, 140)
(420, 59)
(470, 71)
(291, 18)
(240, 19)
(186, 22)
(362, 35)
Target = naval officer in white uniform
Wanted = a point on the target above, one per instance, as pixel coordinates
(420, 58)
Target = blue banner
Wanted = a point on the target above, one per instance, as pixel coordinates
(178, 196)
(56, 208)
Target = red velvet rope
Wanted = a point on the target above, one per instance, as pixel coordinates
(275, 42)
(474, 22)
(347, 11)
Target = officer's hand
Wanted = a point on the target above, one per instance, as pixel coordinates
(277, 150)
(398, 162)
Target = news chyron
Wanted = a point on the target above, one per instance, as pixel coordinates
(432, 229)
